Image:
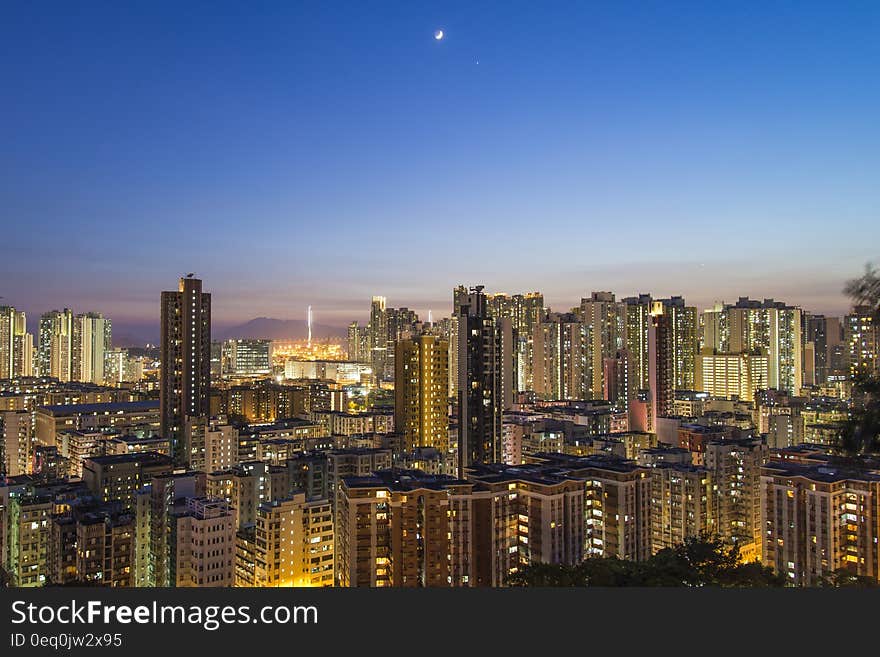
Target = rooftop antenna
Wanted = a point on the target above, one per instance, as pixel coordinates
(430, 317)
(310, 327)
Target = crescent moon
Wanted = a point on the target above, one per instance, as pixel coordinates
(438, 34)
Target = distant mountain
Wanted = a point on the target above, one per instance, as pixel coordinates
(279, 329)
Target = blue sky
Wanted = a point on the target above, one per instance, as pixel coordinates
(320, 153)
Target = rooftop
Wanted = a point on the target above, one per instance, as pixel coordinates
(108, 407)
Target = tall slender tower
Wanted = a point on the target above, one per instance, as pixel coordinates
(420, 391)
(479, 382)
(186, 361)
(91, 340)
(56, 344)
(12, 325)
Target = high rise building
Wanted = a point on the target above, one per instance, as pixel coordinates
(386, 327)
(815, 335)
(202, 543)
(55, 347)
(732, 375)
(561, 358)
(403, 528)
(358, 343)
(818, 520)
(92, 338)
(524, 312)
(606, 319)
(247, 357)
(661, 362)
(735, 466)
(420, 392)
(681, 504)
(479, 400)
(638, 323)
(294, 543)
(16, 432)
(120, 366)
(186, 359)
(459, 297)
(685, 341)
(862, 338)
(714, 333)
(772, 328)
(16, 344)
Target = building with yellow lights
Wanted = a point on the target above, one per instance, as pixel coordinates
(818, 519)
(292, 545)
(421, 392)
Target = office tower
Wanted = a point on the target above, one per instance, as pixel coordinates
(403, 528)
(819, 520)
(247, 357)
(203, 544)
(714, 333)
(815, 335)
(55, 347)
(681, 504)
(661, 362)
(772, 328)
(186, 359)
(16, 344)
(685, 342)
(732, 375)
(606, 319)
(294, 544)
(523, 312)
(479, 382)
(735, 466)
(561, 358)
(92, 337)
(420, 392)
(860, 333)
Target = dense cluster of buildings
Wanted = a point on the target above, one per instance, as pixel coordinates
(448, 453)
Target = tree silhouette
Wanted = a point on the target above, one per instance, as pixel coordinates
(699, 561)
(860, 434)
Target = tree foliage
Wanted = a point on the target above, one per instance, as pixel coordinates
(860, 434)
(702, 561)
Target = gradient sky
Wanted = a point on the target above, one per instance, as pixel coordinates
(323, 152)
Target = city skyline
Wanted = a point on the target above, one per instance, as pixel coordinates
(323, 157)
(146, 328)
